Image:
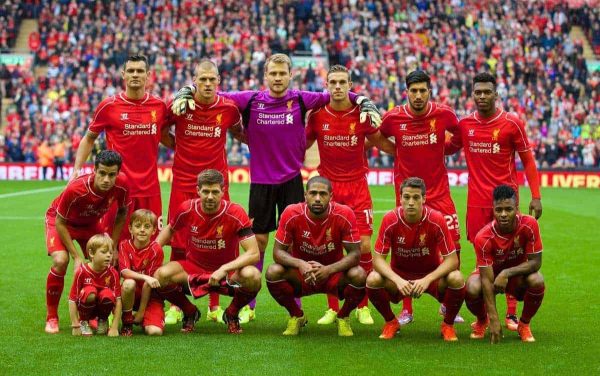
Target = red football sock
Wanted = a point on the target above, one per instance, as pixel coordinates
(127, 317)
(407, 304)
(364, 302)
(511, 305)
(213, 300)
(54, 288)
(477, 307)
(531, 303)
(333, 302)
(352, 296)
(381, 301)
(175, 295)
(283, 293)
(453, 300)
(241, 297)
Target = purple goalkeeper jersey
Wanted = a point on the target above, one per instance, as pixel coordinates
(275, 132)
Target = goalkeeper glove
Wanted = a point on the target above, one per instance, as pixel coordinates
(368, 108)
(184, 100)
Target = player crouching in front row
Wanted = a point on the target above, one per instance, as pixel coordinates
(317, 232)
(509, 257)
(96, 290)
(419, 238)
(213, 229)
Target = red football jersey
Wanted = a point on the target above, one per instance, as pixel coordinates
(490, 146)
(200, 137)
(83, 206)
(133, 129)
(212, 240)
(144, 261)
(341, 139)
(502, 251)
(416, 247)
(317, 240)
(86, 276)
(420, 146)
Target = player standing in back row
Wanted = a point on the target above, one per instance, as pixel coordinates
(491, 137)
(419, 128)
(200, 137)
(341, 139)
(134, 124)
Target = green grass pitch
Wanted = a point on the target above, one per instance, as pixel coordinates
(566, 327)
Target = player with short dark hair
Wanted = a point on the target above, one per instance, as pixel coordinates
(75, 216)
(139, 258)
(419, 129)
(341, 138)
(309, 257)
(509, 257)
(491, 137)
(274, 125)
(423, 260)
(202, 129)
(215, 229)
(133, 121)
(96, 291)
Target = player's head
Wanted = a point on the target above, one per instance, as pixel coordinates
(206, 78)
(418, 86)
(100, 249)
(278, 73)
(412, 196)
(106, 169)
(338, 82)
(318, 194)
(135, 72)
(484, 93)
(505, 207)
(142, 225)
(210, 189)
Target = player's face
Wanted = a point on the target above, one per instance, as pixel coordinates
(338, 85)
(412, 201)
(102, 257)
(418, 96)
(505, 212)
(278, 77)
(141, 231)
(135, 75)
(210, 197)
(105, 177)
(206, 81)
(484, 95)
(317, 198)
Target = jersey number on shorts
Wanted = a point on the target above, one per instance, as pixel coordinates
(452, 221)
(369, 216)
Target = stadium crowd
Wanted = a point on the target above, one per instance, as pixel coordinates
(541, 73)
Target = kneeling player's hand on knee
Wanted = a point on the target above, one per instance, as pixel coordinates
(152, 282)
(419, 287)
(404, 286)
(500, 283)
(216, 277)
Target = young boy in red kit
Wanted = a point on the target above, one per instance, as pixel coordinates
(96, 291)
(139, 258)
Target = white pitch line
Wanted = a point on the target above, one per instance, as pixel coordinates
(30, 192)
(9, 218)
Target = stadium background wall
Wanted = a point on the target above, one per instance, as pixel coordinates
(456, 177)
